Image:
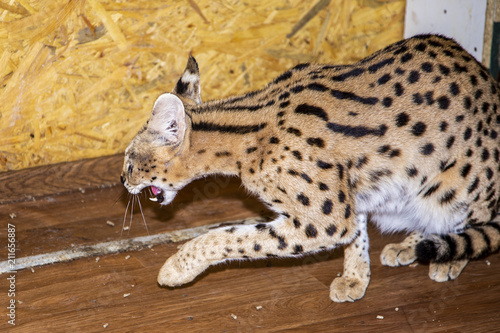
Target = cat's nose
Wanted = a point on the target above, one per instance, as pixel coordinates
(122, 179)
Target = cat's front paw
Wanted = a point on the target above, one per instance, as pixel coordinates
(176, 272)
(443, 272)
(345, 289)
(395, 255)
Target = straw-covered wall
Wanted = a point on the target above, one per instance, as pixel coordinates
(78, 77)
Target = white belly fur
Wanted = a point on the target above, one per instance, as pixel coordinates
(394, 207)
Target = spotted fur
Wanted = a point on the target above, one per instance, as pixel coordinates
(407, 137)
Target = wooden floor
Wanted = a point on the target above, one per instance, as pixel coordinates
(65, 206)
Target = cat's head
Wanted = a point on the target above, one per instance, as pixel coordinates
(152, 159)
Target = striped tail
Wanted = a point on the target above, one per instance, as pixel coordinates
(474, 242)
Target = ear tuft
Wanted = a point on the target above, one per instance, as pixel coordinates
(168, 120)
(188, 86)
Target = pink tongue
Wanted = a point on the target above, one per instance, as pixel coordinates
(155, 190)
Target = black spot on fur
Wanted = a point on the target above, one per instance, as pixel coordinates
(341, 196)
(298, 249)
(429, 96)
(485, 155)
(467, 133)
(450, 141)
(485, 107)
(375, 175)
(427, 149)
(459, 69)
(323, 186)
(223, 154)
(444, 70)
(447, 197)
(311, 231)
(340, 169)
(402, 119)
(448, 53)
(347, 212)
(478, 94)
(361, 162)
(395, 153)
(383, 149)
(327, 207)
(421, 47)
(284, 95)
(384, 79)
(284, 104)
(331, 230)
(443, 102)
(445, 165)
(294, 131)
(324, 165)
(306, 178)
(398, 89)
(406, 57)
(297, 155)
(387, 102)
(473, 186)
(303, 199)
(251, 150)
(318, 142)
(454, 89)
(418, 129)
(489, 173)
(413, 77)
(418, 99)
(411, 172)
(467, 102)
(431, 190)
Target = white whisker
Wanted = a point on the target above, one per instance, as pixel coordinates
(125, 217)
(131, 212)
(142, 213)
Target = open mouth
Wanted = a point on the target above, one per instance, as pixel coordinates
(158, 194)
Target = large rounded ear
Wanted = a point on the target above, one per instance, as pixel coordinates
(168, 120)
(188, 86)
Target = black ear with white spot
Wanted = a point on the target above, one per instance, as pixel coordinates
(168, 120)
(188, 86)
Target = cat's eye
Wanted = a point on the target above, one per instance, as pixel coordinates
(130, 169)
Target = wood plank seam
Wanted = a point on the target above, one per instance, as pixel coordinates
(113, 247)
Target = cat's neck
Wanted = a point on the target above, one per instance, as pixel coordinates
(228, 135)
